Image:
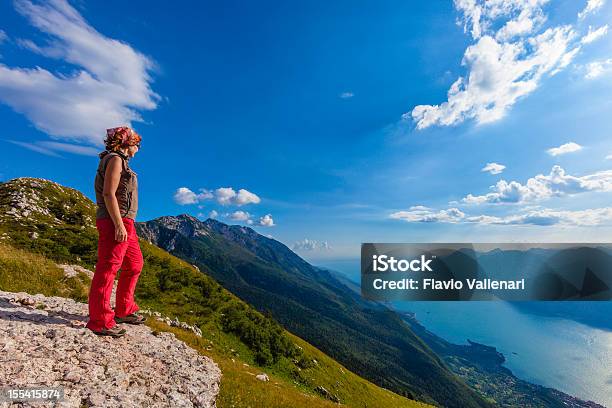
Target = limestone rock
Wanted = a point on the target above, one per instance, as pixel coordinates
(53, 348)
(262, 377)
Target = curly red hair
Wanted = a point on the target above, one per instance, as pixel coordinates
(120, 137)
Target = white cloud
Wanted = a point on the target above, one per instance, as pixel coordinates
(213, 214)
(542, 187)
(71, 148)
(225, 195)
(311, 245)
(266, 221)
(424, 214)
(346, 95)
(240, 216)
(110, 83)
(591, 7)
(504, 65)
(3, 36)
(50, 148)
(184, 196)
(609, 157)
(594, 35)
(205, 195)
(547, 217)
(596, 69)
(539, 217)
(564, 149)
(246, 197)
(493, 168)
(35, 148)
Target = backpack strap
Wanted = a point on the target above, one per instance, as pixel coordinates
(107, 157)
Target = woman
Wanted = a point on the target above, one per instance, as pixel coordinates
(116, 188)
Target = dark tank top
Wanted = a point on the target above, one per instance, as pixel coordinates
(127, 190)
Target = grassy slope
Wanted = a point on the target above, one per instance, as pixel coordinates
(176, 289)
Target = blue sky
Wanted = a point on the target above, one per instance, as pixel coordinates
(326, 124)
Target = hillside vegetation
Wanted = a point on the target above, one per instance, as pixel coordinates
(43, 223)
(366, 337)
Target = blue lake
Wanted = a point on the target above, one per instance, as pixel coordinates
(551, 351)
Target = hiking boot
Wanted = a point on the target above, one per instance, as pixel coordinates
(133, 318)
(114, 332)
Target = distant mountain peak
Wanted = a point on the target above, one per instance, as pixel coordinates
(188, 217)
(184, 224)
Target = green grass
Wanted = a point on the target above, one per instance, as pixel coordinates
(240, 388)
(289, 385)
(23, 271)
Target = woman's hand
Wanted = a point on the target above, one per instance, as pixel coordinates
(120, 233)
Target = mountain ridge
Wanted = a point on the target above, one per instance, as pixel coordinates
(312, 303)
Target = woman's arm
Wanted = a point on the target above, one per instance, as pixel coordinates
(111, 182)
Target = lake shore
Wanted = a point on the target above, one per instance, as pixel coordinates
(481, 367)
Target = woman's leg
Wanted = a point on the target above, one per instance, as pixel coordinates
(130, 271)
(110, 258)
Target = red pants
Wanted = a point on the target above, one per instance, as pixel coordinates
(112, 256)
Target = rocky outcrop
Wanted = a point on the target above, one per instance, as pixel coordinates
(44, 343)
(73, 270)
(26, 199)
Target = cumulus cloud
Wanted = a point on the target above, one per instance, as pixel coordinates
(266, 221)
(346, 95)
(240, 216)
(542, 187)
(564, 149)
(109, 85)
(311, 245)
(244, 216)
(596, 69)
(223, 195)
(591, 7)
(510, 55)
(594, 35)
(539, 217)
(493, 168)
(184, 196)
(213, 214)
(246, 197)
(227, 196)
(609, 157)
(425, 214)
